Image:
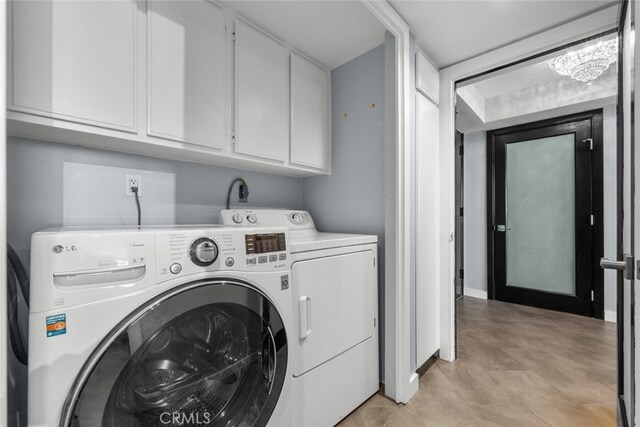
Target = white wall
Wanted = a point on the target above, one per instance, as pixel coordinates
(475, 210)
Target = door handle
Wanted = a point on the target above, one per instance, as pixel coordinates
(626, 265)
(304, 317)
(501, 228)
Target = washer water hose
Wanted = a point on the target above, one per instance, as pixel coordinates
(17, 281)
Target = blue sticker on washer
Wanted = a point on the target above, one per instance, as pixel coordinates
(56, 325)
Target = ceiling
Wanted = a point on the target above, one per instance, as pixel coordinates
(451, 31)
(331, 32)
(531, 73)
(531, 91)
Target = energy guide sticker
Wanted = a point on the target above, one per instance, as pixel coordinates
(56, 325)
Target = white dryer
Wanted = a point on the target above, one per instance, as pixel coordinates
(166, 326)
(335, 308)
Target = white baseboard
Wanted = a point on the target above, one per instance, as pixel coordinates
(610, 316)
(475, 293)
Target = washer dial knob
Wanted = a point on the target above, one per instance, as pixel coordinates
(203, 251)
(237, 218)
(252, 218)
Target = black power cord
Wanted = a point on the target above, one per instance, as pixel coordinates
(243, 191)
(134, 190)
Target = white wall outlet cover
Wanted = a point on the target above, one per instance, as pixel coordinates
(132, 180)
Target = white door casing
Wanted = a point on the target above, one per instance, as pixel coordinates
(401, 383)
(3, 218)
(596, 23)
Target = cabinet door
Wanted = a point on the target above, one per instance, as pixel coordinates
(187, 72)
(309, 114)
(262, 95)
(75, 60)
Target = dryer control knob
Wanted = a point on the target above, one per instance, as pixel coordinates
(252, 218)
(237, 218)
(203, 251)
(297, 218)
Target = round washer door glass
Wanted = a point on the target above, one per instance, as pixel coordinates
(211, 353)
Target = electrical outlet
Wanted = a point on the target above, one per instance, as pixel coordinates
(131, 180)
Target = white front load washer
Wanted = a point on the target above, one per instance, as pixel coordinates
(160, 327)
(335, 309)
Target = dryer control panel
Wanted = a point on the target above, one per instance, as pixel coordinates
(292, 219)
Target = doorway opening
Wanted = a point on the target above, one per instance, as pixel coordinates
(538, 211)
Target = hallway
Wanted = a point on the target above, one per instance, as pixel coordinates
(517, 366)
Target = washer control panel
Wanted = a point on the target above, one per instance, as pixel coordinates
(76, 266)
(292, 219)
(186, 251)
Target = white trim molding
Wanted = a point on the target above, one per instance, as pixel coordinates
(400, 383)
(475, 293)
(595, 23)
(610, 316)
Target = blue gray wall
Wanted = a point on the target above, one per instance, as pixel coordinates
(53, 184)
(475, 214)
(352, 198)
(475, 208)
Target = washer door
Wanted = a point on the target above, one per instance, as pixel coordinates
(210, 353)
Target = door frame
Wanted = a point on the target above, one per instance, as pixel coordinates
(624, 412)
(601, 21)
(3, 216)
(595, 116)
(459, 267)
(400, 381)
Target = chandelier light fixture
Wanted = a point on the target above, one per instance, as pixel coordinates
(586, 64)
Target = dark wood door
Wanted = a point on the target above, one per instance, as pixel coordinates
(543, 213)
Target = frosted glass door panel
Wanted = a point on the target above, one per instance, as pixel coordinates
(540, 202)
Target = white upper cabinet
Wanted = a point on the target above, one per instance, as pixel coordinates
(262, 95)
(310, 139)
(75, 61)
(187, 69)
(177, 79)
